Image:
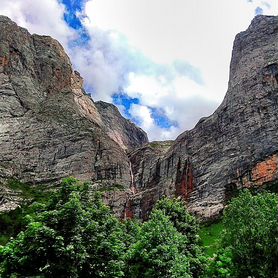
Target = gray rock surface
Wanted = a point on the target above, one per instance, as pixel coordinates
(121, 130)
(235, 147)
(50, 129)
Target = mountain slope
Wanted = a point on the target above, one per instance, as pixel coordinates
(50, 129)
(123, 131)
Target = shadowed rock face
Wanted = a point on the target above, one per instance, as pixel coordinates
(49, 129)
(235, 147)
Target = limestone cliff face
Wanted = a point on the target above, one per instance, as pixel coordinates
(235, 147)
(50, 129)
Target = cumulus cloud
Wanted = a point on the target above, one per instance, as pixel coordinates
(184, 66)
(264, 7)
(108, 61)
(172, 57)
(259, 11)
(105, 62)
(182, 100)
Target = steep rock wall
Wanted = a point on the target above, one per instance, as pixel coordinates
(235, 147)
(121, 130)
(50, 129)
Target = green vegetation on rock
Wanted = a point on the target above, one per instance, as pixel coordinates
(28, 192)
(12, 222)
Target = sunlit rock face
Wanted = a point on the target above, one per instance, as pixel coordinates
(122, 131)
(50, 129)
(235, 147)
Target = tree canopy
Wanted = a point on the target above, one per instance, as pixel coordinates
(251, 233)
(76, 235)
(249, 244)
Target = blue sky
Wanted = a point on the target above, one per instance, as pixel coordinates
(164, 63)
(73, 7)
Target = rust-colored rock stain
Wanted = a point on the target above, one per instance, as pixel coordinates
(262, 173)
(185, 180)
(128, 212)
(4, 61)
(265, 171)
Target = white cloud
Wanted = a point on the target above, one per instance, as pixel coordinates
(198, 32)
(44, 17)
(182, 100)
(142, 114)
(104, 63)
(182, 107)
(173, 54)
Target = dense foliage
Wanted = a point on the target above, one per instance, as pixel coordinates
(68, 237)
(12, 222)
(188, 226)
(76, 235)
(249, 245)
(251, 223)
(167, 245)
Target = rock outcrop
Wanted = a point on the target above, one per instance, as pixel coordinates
(50, 129)
(121, 130)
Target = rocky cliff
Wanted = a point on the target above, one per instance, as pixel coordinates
(235, 147)
(50, 129)
(123, 131)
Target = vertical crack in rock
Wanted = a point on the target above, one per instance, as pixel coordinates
(270, 75)
(132, 184)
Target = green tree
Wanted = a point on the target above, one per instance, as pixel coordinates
(76, 235)
(251, 223)
(71, 236)
(167, 245)
(221, 265)
(182, 220)
(188, 226)
(158, 252)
